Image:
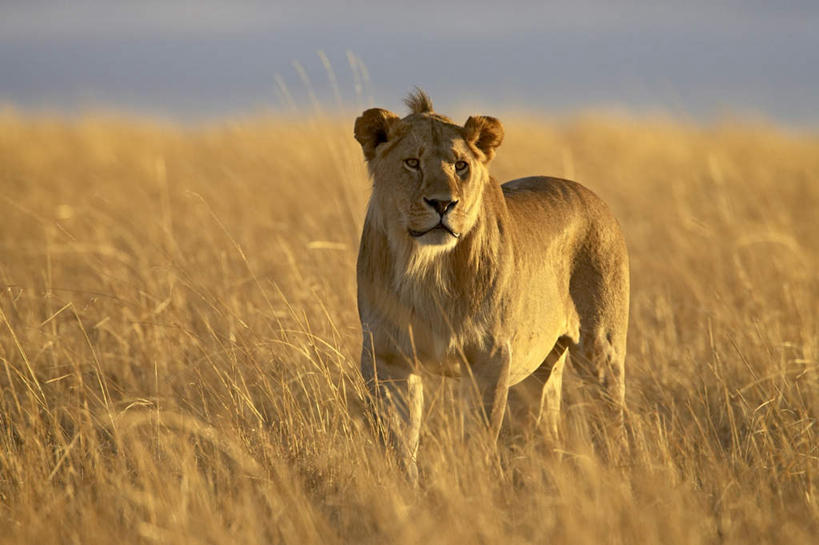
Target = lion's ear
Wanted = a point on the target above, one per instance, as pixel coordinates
(485, 133)
(373, 128)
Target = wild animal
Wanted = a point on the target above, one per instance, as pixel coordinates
(461, 276)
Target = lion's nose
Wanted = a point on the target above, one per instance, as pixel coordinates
(440, 206)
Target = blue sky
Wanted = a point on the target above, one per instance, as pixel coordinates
(209, 59)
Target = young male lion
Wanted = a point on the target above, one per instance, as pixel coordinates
(461, 276)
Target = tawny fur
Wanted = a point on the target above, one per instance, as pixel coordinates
(526, 270)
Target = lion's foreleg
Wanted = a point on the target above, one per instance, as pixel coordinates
(492, 379)
(398, 394)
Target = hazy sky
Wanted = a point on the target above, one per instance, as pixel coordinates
(206, 59)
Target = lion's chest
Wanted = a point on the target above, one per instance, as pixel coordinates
(438, 352)
(442, 344)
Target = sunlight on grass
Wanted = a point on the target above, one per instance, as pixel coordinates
(179, 343)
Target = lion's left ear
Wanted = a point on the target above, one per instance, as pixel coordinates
(373, 128)
(485, 133)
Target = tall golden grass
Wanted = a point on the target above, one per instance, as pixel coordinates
(179, 343)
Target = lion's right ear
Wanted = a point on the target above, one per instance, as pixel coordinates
(373, 128)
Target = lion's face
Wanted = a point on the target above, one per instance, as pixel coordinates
(430, 181)
(429, 173)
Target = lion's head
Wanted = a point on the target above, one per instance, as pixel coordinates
(429, 173)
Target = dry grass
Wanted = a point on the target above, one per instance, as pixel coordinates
(179, 341)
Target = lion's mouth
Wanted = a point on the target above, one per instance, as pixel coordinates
(441, 225)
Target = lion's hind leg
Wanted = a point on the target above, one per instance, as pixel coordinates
(552, 393)
(536, 401)
(600, 361)
(600, 292)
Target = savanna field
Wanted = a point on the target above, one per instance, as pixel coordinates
(179, 343)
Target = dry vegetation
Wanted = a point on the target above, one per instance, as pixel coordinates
(179, 342)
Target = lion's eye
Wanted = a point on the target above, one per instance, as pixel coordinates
(460, 166)
(412, 163)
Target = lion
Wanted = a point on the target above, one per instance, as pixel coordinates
(461, 276)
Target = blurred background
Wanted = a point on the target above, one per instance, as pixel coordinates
(194, 61)
(179, 336)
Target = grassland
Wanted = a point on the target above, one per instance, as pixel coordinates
(179, 342)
